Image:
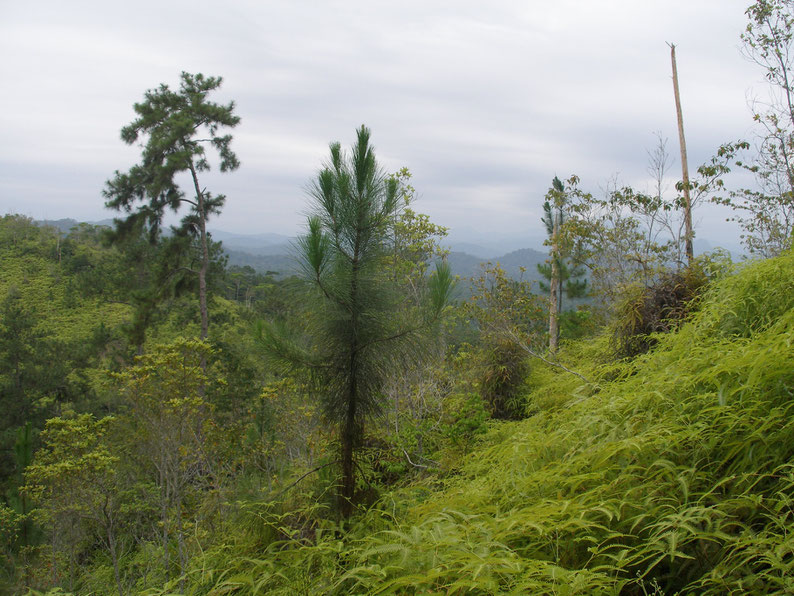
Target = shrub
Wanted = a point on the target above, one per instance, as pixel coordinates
(659, 308)
(504, 372)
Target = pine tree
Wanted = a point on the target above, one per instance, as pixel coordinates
(564, 275)
(360, 327)
(177, 126)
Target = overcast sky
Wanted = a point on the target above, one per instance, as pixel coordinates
(484, 102)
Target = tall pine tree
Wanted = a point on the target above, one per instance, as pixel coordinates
(177, 127)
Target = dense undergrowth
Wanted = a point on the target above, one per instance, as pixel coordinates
(670, 473)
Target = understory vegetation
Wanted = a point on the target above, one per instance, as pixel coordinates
(173, 425)
(667, 473)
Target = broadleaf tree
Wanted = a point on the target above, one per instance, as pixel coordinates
(361, 323)
(175, 128)
(766, 212)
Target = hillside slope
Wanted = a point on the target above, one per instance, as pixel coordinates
(669, 474)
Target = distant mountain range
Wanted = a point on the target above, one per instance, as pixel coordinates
(275, 253)
(65, 225)
(255, 244)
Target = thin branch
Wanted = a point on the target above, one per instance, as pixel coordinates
(408, 457)
(403, 332)
(361, 471)
(398, 335)
(534, 354)
(317, 469)
(422, 466)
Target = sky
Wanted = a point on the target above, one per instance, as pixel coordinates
(484, 102)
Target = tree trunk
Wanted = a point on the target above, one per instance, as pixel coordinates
(349, 428)
(205, 259)
(180, 544)
(348, 471)
(53, 560)
(164, 515)
(111, 538)
(554, 286)
(684, 166)
(559, 295)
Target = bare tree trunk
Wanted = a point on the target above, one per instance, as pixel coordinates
(180, 543)
(554, 286)
(53, 559)
(164, 515)
(559, 296)
(684, 166)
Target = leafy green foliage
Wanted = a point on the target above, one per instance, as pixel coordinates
(169, 419)
(670, 474)
(509, 316)
(73, 480)
(502, 377)
(56, 332)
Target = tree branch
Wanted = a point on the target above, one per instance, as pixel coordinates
(310, 472)
(534, 354)
(421, 466)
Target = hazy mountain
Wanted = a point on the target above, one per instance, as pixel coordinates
(488, 246)
(476, 250)
(267, 243)
(466, 265)
(270, 251)
(704, 245)
(277, 244)
(282, 265)
(528, 258)
(66, 224)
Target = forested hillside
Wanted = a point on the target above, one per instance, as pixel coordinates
(669, 471)
(375, 415)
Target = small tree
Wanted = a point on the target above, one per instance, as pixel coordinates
(562, 271)
(169, 416)
(512, 323)
(557, 195)
(177, 126)
(359, 325)
(766, 212)
(74, 480)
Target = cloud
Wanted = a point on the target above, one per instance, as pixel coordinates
(485, 104)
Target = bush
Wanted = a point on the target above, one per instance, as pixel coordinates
(659, 308)
(504, 372)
